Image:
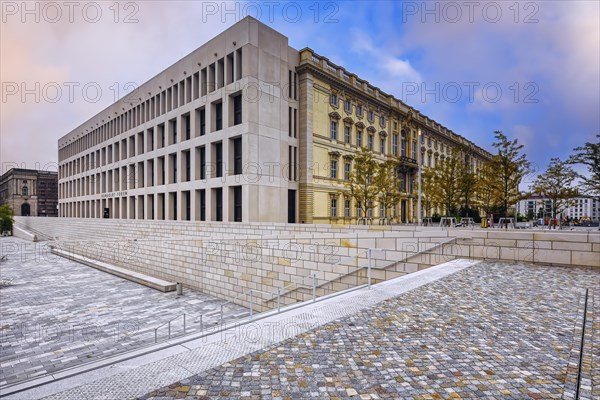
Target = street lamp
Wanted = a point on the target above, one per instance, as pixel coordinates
(419, 216)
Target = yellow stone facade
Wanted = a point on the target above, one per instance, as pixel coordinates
(339, 114)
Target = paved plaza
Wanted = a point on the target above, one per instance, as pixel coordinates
(493, 330)
(57, 314)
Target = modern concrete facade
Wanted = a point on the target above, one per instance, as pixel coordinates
(244, 129)
(30, 192)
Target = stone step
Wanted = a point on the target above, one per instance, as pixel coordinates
(138, 277)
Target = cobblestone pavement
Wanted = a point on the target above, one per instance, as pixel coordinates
(494, 330)
(58, 314)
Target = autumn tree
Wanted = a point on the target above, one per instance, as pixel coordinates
(511, 165)
(388, 184)
(589, 155)
(556, 185)
(488, 188)
(361, 185)
(467, 182)
(429, 194)
(447, 182)
(6, 218)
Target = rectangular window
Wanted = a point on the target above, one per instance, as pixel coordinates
(333, 130)
(370, 116)
(173, 131)
(219, 159)
(348, 106)
(186, 126)
(403, 145)
(347, 169)
(237, 109)
(333, 207)
(334, 99)
(218, 107)
(359, 111)
(201, 121)
(382, 145)
(202, 162)
(347, 134)
(333, 169)
(370, 142)
(202, 194)
(237, 156)
(359, 138)
(414, 150)
(395, 145)
(382, 121)
(218, 204)
(237, 204)
(347, 208)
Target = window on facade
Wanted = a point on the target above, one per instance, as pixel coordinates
(237, 156)
(334, 99)
(414, 150)
(429, 160)
(347, 169)
(359, 111)
(403, 145)
(333, 130)
(381, 211)
(333, 169)
(382, 145)
(395, 125)
(359, 138)
(370, 142)
(370, 116)
(218, 116)
(333, 207)
(382, 121)
(347, 207)
(237, 109)
(395, 145)
(348, 106)
(347, 134)
(25, 191)
(219, 159)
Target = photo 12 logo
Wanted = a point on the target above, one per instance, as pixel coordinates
(53, 12)
(54, 92)
(453, 12)
(456, 92)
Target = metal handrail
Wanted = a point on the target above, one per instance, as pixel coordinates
(169, 324)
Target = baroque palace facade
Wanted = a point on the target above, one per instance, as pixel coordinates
(245, 128)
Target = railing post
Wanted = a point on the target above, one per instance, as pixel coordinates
(155, 335)
(314, 287)
(221, 315)
(369, 268)
(169, 329)
(278, 300)
(184, 323)
(201, 325)
(251, 303)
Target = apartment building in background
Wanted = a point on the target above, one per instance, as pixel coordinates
(579, 208)
(245, 128)
(30, 192)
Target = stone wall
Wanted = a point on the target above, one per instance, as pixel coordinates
(230, 259)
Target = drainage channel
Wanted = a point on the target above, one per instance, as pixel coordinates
(579, 366)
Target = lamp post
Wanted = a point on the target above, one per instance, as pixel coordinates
(419, 216)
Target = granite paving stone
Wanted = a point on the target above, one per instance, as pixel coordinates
(494, 330)
(58, 314)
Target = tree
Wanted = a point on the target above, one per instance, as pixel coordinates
(511, 166)
(488, 188)
(447, 181)
(589, 155)
(429, 194)
(6, 218)
(467, 183)
(388, 182)
(361, 183)
(555, 184)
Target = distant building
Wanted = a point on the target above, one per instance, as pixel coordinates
(580, 208)
(30, 192)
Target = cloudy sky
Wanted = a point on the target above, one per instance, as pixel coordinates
(530, 69)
